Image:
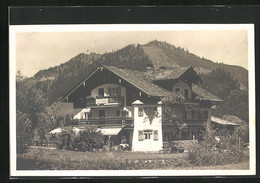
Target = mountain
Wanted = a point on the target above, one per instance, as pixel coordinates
(165, 54)
(56, 81)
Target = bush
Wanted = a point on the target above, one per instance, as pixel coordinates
(84, 140)
(64, 140)
(211, 152)
(201, 156)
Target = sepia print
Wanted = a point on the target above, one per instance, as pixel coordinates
(152, 100)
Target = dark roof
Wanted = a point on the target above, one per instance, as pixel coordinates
(139, 80)
(164, 74)
(144, 82)
(78, 85)
(223, 121)
(203, 94)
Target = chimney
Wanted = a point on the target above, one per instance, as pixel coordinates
(121, 66)
(149, 68)
(162, 68)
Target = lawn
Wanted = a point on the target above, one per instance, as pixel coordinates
(53, 159)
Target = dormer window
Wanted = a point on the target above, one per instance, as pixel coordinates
(186, 93)
(183, 89)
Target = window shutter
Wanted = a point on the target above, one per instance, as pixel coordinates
(109, 91)
(140, 135)
(140, 112)
(206, 115)
(155, 112)
(155, 134)
(119, 91)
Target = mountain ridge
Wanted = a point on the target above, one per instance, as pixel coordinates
(56, 81)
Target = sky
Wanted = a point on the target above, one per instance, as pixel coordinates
(40, 50)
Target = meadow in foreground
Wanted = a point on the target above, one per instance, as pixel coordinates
(53, 159)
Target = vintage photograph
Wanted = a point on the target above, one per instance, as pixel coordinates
(139, 98)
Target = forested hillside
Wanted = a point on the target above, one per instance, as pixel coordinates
(235, 101)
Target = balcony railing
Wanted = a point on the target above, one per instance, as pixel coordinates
(103, 122)
(103, 101)
(187, 122)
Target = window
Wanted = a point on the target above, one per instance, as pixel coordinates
(114, 91)
(148, 134)
(117, 113)
(194, 114)
(90, 115)
(206, 115)
(177, 90)
(186, 93)
(140, 112)
(123, 113)
(101, 92)
(188, 115)
(200, 114)
(184, 135)
(101, 113)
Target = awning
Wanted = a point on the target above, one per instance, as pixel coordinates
(223, 122)
(57, 130)
(109, 131)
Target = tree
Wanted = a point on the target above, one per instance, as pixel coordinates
(235, 101)
(24, 131)
(169, 115)
(31, 111)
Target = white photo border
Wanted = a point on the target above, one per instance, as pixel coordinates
(13, 29)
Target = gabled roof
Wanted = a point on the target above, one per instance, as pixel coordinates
(172, 73)
(139, 80)
(223, 121)
(78, 85)
(204, 94)
(145, 83)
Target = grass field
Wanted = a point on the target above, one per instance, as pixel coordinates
(52, 159)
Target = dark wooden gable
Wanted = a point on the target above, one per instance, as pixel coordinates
(104, 76)
(189, 76)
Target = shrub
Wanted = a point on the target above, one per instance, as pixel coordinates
(64, 140)
(211, 152)
(87, 139)
(84, 140)
(201, 156)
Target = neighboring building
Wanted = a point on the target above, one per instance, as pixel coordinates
(127, 104)
(228, 123)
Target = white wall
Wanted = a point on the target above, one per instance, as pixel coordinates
(142, 123)
(94, 92)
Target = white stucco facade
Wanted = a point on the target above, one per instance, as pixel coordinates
(94, 92)
(149, 126)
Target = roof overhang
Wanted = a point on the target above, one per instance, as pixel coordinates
(223, 121)
(109, 131)
(78, 85)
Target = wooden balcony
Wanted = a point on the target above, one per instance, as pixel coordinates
(105, 122)
(105, 101)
